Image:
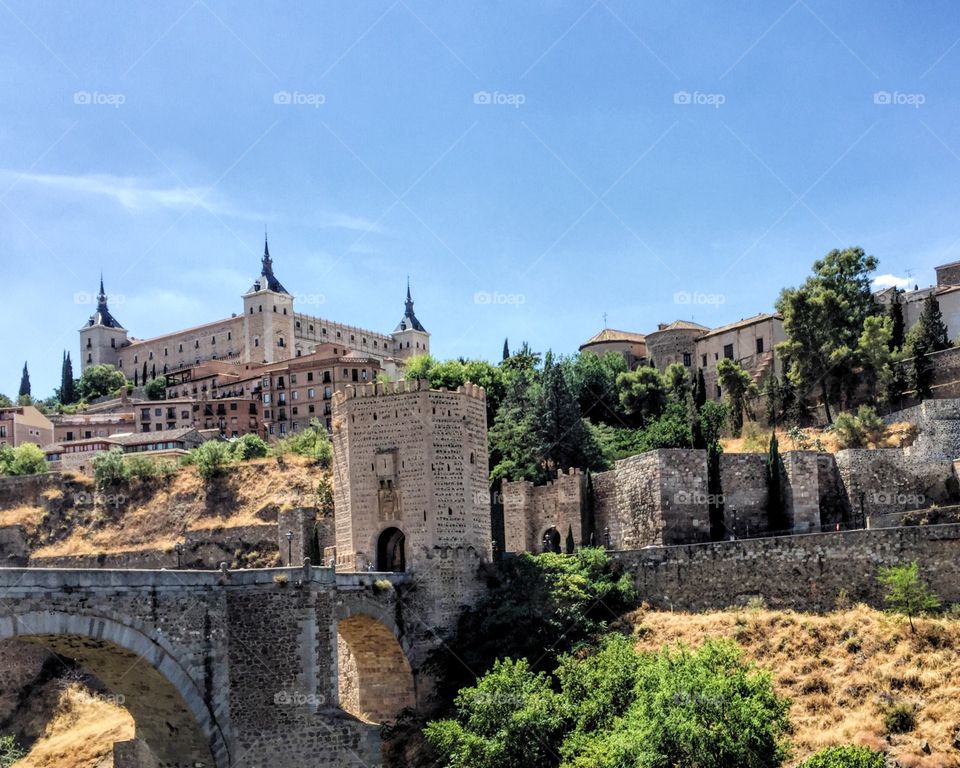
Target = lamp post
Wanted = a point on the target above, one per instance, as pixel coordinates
(289, 548)
(178, 548)
(606, 537)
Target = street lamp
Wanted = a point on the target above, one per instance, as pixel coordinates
(606, 537)
(178, 548)
(289, 548)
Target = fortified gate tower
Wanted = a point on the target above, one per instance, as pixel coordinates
(411, 488)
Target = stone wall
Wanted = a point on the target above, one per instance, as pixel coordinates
(14, 548)
(529, 511)
(805, 572)
(745, 493)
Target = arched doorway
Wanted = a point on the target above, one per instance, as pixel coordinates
(168, 709)
(390, 551)
(374, 679)
(551, 540)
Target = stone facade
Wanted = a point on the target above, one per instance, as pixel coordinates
(410, 487)
(532, 512)
(804, 573)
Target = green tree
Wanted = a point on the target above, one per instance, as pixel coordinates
(594, 378)
(564, 441)
(510, 718)
(898, 329)
(823, 320)
(211, 459)
(642, 394)
(67, 392)
(313, 442)
(506, 349)
(873, 348)
(676, 381)
(775, 503)
(710, 421)
(512, 438)
(143, 375)
(26, 459)
(736, 384)
(110, 469)
(679, 707)
(156, 389)
(930, 329)
(671, 429)
(24, 383)
(99, 380)
(248, 447)
(699, 390)
(570, 544)
(847, 756)
(906, 593)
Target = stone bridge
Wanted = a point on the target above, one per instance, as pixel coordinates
(282, 667)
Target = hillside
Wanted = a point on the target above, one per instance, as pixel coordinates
(76, 519)
(840, 669)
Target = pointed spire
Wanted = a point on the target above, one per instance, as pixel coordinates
(102, 316)
(409, 319)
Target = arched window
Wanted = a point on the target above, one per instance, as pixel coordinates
(390, 551)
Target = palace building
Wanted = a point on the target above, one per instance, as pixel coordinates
(269, 330)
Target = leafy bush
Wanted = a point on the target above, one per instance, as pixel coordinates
(211, 459)
(313, 443)
(26, 459)
(899, 717)
(906, 593)
(146, 468)
(854, 430)
(10, 751)
(156, 389)
(249, 447)
(110, 469)
(845, 757)
(617, 707)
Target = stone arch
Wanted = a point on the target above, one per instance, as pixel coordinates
(374, 678)
(167, 707)
(550, 541)
(391, 550)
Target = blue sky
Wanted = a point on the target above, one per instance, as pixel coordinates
(531, 166)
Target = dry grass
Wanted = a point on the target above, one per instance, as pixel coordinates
(80, 733)
(898, 435)
(26, 515)
(157, 515)
(839, 669)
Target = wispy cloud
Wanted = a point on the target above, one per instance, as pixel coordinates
(890, 281)
(134, 194)
(333, 220)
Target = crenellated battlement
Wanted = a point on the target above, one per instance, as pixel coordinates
(385, 389)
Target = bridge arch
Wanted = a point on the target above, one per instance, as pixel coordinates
(167, 707)
(375, 680)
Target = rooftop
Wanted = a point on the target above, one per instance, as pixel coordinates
(744, 323)
(611, 334)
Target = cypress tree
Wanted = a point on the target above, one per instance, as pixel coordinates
(922, 370)
(571, 545)
(25, 382)
(699, 390)
(506, 349)
(67, 395)
(898, 336)
(143, 376)
(932, 332)
(775, 510)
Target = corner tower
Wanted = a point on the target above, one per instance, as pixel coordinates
(102, 337)
(268, 323)
(410, 337)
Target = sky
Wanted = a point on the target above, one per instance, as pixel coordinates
(537, 169)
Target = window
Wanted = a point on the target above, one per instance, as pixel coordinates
(355, 374)
(280, 343)
(293, 378)
(728, 351)
(686, 359)
(309, 375)
(296, 394)
(311, 393)
(703, 361)
(113, 343)
(760, 345)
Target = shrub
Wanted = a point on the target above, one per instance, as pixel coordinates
(143, 468)
(110, 468)
(26, 459)
(846, 756)
(906, 593)
(249, 447)
(211, 459)
(325, 495)
(10, 751)
(855, 430)
(899, 717)
(313, 443)
(156, 389)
